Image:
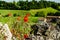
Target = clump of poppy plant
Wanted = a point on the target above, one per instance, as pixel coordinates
(28, 14)
(9, 14)
(18, 18)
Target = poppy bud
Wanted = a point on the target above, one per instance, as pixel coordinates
(25, 35)
(9, 14)
(18, 18)
(27, 14)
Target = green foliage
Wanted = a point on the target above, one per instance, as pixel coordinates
(33, 19)
(57, 13)
(50, 14)
(15, 15)
(54, 5)
(40, 14)
(25, 5)
(32, 12)
(54, 14)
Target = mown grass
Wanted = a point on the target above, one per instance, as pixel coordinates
(45, 10)
(32, 11)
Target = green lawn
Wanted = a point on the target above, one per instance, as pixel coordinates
(32, 11)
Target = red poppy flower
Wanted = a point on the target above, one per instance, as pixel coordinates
(9, 14)
(18, 18)
(25, 35)
(25, 19)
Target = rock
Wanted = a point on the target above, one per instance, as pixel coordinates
(5, 31)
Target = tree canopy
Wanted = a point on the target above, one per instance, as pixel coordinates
(25, 5)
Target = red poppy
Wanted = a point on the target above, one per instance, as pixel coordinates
(25, 35)
(9, 14)
(18, 18)
(27, 14)
(25, 19)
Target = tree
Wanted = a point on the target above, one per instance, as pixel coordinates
(54, 5)
(27, 0)
(25, 5)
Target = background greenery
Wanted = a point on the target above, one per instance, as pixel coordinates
(25, 5)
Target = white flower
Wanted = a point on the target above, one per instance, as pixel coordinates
(14, 38)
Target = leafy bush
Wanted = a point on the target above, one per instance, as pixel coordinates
(54, 14)
(50, 14)
(40, 14)
(15, 15)
(57, 13)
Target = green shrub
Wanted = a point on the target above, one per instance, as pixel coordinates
(50, 14)
(57, 13)
(54, 14)
(40, 14)
(15, 15)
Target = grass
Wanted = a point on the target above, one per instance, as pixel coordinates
(45, 10)
(32, 11)
(10, 20)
